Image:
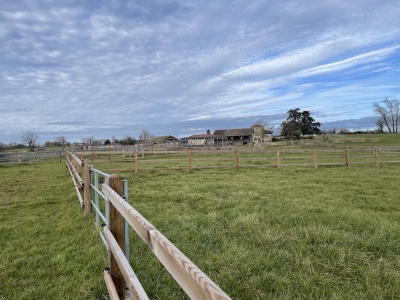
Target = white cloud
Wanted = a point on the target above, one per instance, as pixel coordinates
(143, 62)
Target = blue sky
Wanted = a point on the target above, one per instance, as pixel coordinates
(113, 68)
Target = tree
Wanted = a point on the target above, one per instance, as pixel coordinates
(267, 126)
(107, 141)
(208, 131)
(308, 124)
(88, 140)
(145, 135)
(29, 138)
(299, 120)
(60, 141)
(380, 124)
(389, 112)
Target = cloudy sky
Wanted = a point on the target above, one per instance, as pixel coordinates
(102, 68)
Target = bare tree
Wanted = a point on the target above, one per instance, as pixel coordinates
(60, 141)
(29, 138)
(88, 140)
(390, 113)
(380, 124)
(145, 135)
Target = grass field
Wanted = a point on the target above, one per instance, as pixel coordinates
(294, 233)
(48, 250)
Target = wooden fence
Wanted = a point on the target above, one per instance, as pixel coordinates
(26, 157)
(244, 158)
(119, 273)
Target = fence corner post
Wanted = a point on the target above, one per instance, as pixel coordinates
(116, 225)
(86, 187)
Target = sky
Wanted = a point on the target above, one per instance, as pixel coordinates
(113, 68)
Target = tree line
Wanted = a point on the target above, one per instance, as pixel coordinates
(29, 140)
(298, 123)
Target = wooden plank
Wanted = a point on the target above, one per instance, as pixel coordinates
(136, 162)
(117, 228)
(74, 157)
(112, 291)
(76, 175)
(237, 160)
(76, 186)
(189, 154)
(315, 159)
(192, 280)
(86, 192)
(278, 162)
(130, 277)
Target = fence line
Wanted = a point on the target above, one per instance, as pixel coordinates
(26, 157)
(118, 214)
(244, 159)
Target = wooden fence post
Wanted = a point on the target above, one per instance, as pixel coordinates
(278, 159)
(237, 160)
(19, 157)
(59, 156)
(136, 162)
(315, 159)
(347, 157)
(376, 158)
(86, 187)
(37, 157)
(189, 155)
(117, 228)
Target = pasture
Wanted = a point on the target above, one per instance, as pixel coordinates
(303, 233)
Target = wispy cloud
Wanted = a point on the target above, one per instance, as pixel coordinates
(75, 67)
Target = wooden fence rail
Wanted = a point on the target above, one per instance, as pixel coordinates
(119, 274)
(193, 281)
(277, 159)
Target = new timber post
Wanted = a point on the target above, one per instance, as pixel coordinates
(117, 228)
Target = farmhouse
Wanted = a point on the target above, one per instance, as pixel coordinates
(243, 136)
(204, 140)
(167, 140)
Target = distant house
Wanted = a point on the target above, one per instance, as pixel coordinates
(243, 136)
(167, 140)
(204, 140)
(113, 146)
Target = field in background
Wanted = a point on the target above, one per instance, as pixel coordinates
(301, 233)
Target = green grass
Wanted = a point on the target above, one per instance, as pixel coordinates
(266, 234)
(294, 233)
(48, 249)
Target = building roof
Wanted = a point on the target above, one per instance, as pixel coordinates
(234, 132)
(158, 140)
(203, 136)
